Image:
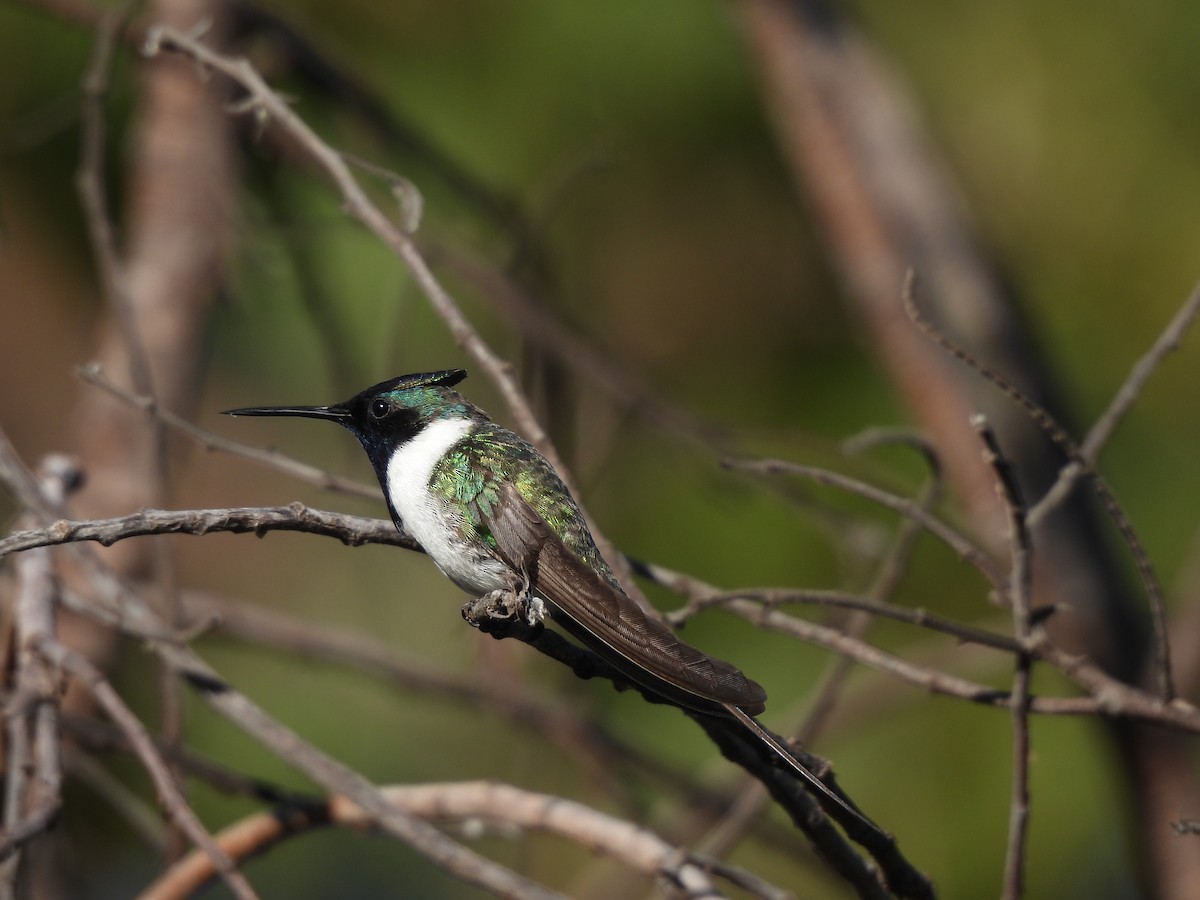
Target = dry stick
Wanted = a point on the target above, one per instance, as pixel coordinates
(773, 597)
(487, 803)
(100, 736)
(99, 222)
(120, 300)
(350, 530)
(1041, 417)
(739, 819)
(44, 504)
(172, 800)
(579, 737)
(331, 774)
(353, 530)
(1109, 696)
(290, 807)
(1169, 341)
(97, 217)
(894, 565)
(33, 778)
(575, 351)
(1019, 596)
(93, 374)
(887, 580)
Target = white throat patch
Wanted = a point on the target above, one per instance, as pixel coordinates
(408, 474)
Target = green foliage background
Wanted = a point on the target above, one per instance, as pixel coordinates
(634, 133)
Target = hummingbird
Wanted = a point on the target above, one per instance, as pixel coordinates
(493, 514)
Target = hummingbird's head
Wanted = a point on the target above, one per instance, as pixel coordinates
(388, 414)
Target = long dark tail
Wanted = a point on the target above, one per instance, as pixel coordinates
(789, 759)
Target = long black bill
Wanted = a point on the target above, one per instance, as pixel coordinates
(334, 413)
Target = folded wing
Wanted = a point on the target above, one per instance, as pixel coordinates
(608, 622)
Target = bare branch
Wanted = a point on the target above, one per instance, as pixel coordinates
(1019, 599)
(479, 803)
(829, 688)
(1169, 341)
(93, 374)
(351, 530)
(31, 727)
(773, 597)
(1109, 696)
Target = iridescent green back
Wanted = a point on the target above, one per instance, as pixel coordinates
(472, 471)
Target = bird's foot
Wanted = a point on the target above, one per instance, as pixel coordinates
(501, 609)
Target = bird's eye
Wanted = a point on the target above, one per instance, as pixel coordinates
(380, 409)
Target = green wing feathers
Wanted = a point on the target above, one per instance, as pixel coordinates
(475, 469)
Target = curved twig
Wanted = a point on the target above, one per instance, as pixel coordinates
(473, 804)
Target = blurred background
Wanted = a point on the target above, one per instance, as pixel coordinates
(718, 201)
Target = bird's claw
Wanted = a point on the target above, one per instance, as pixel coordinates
(493, 611)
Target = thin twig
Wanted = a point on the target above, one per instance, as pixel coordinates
(93, 374)
(124, 311)
(1108, 696)
(1019, 599)
(1161, 659)
(725, 835)
(100, 736)
(772, 597)
(1096, 439)
(357, 204)
(99, 221)
(576, 351)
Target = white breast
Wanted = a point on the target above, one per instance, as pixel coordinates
(428, 518)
